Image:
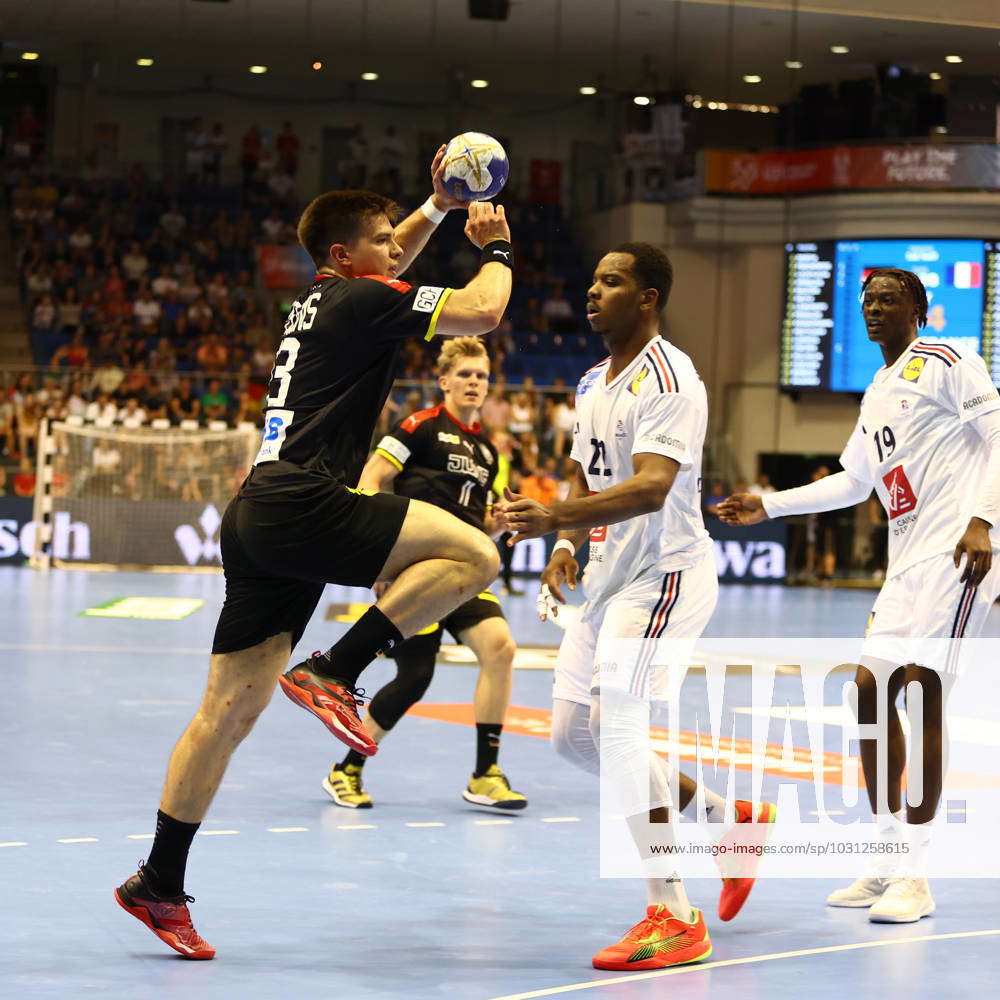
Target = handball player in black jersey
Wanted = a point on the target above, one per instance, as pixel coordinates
(440, 455)
(298, 522)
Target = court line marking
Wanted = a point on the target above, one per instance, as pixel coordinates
(288, 829)
(77, 840)
(425, 824)
(141, 836)
(41, 647)
(478, 822)
(357, 826)
(682, 969)
(15, 843)
(217, 833)
(560, 819)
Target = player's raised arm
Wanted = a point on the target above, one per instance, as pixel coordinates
(417, 228)
(378, 474)
(479, 307)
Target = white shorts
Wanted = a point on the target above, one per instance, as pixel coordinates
(928, 601)
(674, 605)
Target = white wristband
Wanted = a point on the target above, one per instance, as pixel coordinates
(564, 543)
(433, 213)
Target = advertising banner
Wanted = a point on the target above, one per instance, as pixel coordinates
(844, 168)
(755, 554)
(284, 266)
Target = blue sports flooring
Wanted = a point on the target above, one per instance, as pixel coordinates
(420, 897)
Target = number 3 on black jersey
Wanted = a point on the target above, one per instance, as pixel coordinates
(277, 419)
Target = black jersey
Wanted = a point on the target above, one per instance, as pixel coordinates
(443, 462)
(332, 373)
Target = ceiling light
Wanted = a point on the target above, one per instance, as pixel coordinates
(696, 104)
(934, 76)
(369, 76)
(723, 106)
(941, 129)
(587, 90)
(752, 78)
(317, 65)
(793, 64)
(479, 84)
(144, 62)
(642, 100)
(257, 70)
(29, 56)
(753, 107)
(839, 50)
(953, 59)
(712, 105)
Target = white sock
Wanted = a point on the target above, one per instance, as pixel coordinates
(714, 809)
(669, 892)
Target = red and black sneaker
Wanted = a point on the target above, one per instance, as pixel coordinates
(335, 704)
(166, 916)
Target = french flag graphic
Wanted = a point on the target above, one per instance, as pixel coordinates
(965, 274)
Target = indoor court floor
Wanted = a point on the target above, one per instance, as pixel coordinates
(421, 897)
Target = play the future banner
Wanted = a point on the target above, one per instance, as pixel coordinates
(840, 168)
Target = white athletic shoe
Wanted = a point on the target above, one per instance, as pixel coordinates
(904, 901)
(862, 892)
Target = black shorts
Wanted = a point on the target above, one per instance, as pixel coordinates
(428, 641)
(280, 551)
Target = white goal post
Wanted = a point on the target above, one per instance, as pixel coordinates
(112, 497)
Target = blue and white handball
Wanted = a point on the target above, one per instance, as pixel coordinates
(475, 167)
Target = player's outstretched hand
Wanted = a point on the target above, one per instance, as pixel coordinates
(741, 509)
(562, 569)
(527, 518)
(443, 201)
(486, 224)
(975, 545)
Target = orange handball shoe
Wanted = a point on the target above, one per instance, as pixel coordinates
(168, 918)
(736, 888)
(335, 704)
(659, 941)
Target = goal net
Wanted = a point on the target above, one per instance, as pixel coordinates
(137, 498)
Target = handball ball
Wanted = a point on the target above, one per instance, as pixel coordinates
(475, 167)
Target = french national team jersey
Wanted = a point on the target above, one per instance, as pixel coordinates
(915, 445)
(655, 406)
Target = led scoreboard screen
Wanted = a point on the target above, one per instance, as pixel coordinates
(824, 342)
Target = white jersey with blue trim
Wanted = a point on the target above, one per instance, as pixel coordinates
(657, 405)
(915, 444)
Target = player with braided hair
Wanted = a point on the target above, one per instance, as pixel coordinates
(928, 440)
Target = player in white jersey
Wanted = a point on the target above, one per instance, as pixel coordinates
(641, 419)
(928, 441)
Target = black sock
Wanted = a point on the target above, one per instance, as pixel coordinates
(487, 745)
(370, 635)
(354, 758)
(164, 871)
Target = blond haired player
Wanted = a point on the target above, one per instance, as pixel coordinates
(441, 456)
(928, 441)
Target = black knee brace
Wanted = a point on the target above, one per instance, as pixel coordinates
(415, 661)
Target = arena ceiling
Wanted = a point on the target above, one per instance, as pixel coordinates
(545, 47)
